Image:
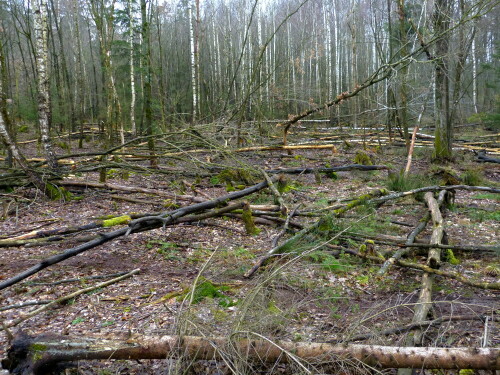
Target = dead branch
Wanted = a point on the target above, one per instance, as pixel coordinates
(67, 297)
(133, 189)
(391, 196)
(79, 280)
(289, 244)
(277, 194)
(411, 238)
(412, 326)
(286, 226)
(31, 355)
(423, 267)
(351, 167)
(24, 304)
(424, 303)
(135, 226)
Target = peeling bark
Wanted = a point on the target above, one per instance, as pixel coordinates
(37, 355)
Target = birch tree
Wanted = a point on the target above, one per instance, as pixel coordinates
(44, 116)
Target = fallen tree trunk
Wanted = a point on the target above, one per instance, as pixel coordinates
(397, 195)
(132, 189)
(433, 261)
(135, 226)
(38, 355)
(351, 167)
(424, 304)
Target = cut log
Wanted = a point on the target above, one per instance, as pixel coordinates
(37, 355)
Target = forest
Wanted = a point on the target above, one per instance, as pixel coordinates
(249, 187)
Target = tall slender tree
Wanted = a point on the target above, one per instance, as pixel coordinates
(44, 115)
(444, 129)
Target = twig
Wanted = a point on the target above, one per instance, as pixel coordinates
(24, 304)
(412, 326)
(68, 297)
(96, 277)
(285, 226)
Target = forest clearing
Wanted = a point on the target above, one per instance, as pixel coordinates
(260, 202)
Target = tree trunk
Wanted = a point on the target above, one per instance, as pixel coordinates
(33, 177)
(146, 58)
(131, 65)
(43, 81)
(38, 355)
(444, 129)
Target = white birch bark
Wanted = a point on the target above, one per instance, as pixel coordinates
(193, 61)
(338, 76)
(474, 75)
(328, 52)
(131, 65)
(41, 33)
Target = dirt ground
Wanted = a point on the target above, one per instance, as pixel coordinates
(315, 298)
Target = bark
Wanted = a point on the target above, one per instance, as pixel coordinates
(131, 66)
(351, 167)
(193, 51)
(42, 62)
(38, 355)
(33, 176)
(444, 129)
(424, 303)
(146, 67)
(433, 261)
(410, 151)
(433, 188)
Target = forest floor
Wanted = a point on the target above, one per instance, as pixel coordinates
(317, 298)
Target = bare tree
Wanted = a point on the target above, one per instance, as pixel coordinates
(44, 116)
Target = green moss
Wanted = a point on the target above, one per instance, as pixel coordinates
(119, 220)
(23, 129)
(37, 347)
(38, 350)
(332, 175)
(466, 372)
(363, 158)
(248, 221)
(55, 192)
(206, 289)
(450, 257)
(236, 176)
